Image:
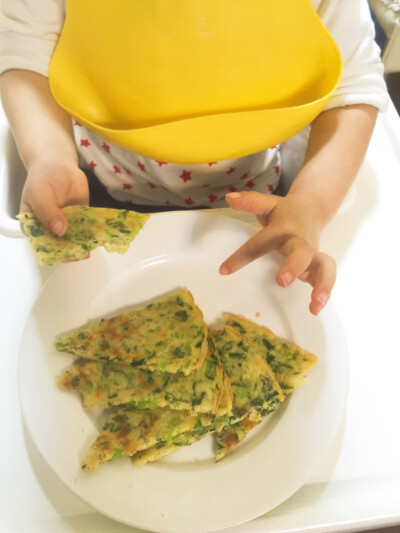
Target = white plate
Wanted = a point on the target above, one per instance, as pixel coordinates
(187, 491)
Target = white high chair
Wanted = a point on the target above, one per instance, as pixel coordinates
(388, 14)
(12, 179)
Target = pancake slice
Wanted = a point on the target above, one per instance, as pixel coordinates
(162, 449)
(233, 435)
(289, 362)
(168, 335)
(106, 384)
(88, 228)
(225, 404)
(252, 381)
(129, 430)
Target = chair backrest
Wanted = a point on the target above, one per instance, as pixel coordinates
(12, 179)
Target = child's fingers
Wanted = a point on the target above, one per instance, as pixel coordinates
(254, 202)
(296, 263)
(324, 278)
(260, 244)
(48, 212)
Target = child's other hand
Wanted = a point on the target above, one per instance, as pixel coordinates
(291, 227)
(51, 185)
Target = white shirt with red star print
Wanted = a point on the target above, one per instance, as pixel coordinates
(133, 178)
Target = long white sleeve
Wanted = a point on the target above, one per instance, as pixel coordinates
(350, 24)
(29, 31)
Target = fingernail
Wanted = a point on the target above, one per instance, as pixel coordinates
(234, 195)
(322, 298)
(57, 227)
(287, 278)
(223, 270)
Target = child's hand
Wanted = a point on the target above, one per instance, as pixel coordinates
(292, 227)
(51, 185)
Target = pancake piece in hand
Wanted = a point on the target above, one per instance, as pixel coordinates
(169, 335)
(129, 430)
(88, 228)
(107, 384)
(252, 381)
(289, 362)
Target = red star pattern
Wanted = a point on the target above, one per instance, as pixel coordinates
(273, 147)
(76, 123)
(186, 176)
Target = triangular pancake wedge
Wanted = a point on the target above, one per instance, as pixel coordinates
(88, 228)
(252, 381)
(106, 384)
(162, 449)
(129, 430)
(168, 335)
(289, 362)
(233, 435)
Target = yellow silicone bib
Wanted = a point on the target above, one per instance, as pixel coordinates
(193, 81)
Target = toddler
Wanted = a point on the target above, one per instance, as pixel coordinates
(63, 156)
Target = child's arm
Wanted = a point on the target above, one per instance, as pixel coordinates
(292, 224)
(43, 133)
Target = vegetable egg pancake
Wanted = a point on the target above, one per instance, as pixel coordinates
(129, 430)
(107, 384)
(289, 362)
(224, 411)
(232, 435)
(88, 228)
(162, 449)
(169, 335)
(170, 381)
(252, 381)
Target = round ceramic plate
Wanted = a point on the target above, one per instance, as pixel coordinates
(187, 491)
